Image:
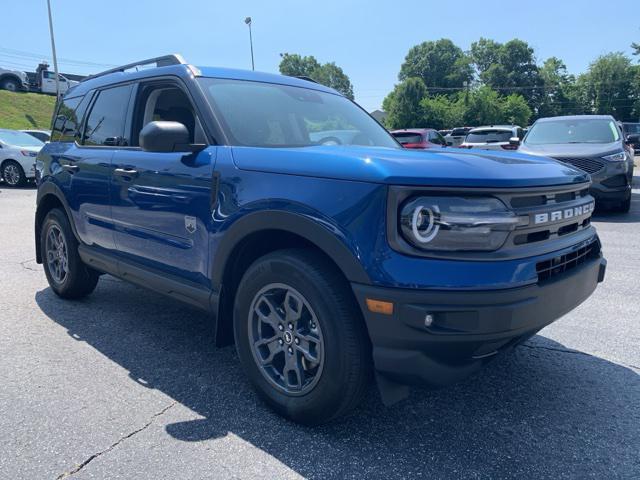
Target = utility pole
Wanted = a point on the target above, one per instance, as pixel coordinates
(53, 52)
(248, 22)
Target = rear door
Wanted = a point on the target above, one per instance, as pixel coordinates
(89, 164)
(161, 202)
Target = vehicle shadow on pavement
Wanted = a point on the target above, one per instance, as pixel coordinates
(541, 408)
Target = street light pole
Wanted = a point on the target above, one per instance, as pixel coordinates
(53, 51)
(248, 22)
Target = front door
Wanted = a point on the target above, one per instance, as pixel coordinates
(161, 202)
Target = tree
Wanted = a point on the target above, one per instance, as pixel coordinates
(515, 110)
(442, 111)
(509, 68)
(403, 104)
(636, 48)
(328, 74)
(441, 65)
(610, 86)
(484, 108)
(561, 95)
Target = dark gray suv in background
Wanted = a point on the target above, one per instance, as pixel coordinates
(593, 143)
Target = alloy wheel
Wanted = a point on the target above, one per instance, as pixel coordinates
(11, 174)
(57, 254)
(286, 339)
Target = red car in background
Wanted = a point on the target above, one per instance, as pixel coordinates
(419, 138)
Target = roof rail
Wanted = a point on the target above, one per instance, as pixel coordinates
(162, 61)
(304, 77)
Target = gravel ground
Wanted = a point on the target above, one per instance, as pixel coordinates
(127, 384)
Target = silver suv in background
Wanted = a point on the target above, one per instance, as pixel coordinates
(494, 137)
(593, 143)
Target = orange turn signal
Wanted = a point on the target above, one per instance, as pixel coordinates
(378, 306)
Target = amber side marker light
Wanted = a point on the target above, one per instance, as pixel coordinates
(378, 306)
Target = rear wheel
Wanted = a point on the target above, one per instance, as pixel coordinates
(67, 275)
(10, 84)
(300, 336)
(13, 174)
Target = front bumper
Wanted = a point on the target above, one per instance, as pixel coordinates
(613, 183)
(469, 327)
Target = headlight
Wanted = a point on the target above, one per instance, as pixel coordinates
(616, 157)
(28, 153)
(456, 223)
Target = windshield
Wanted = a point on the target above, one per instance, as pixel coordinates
(631, 128)
(407, 137)
(489, 136)
(19, 139)
(261, 114)
(584, 130)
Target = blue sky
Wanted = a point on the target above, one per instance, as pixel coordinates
(368, 39)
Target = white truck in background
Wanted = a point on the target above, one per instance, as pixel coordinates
(42, 81)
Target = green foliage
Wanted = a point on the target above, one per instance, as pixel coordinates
(516, 110)
(610, 86)
(25, 110)
(484, 108)
(509, 68)
(403, 104)
(328, 74)
(440, 65)
(503, 83)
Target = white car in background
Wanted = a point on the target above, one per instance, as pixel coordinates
(18, 152)
(494, 137)
(42, 135)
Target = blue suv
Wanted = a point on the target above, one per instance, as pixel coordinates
(327, 258)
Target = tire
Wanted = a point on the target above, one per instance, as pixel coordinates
(624, 206)
(315, 291)
(10, 84)
(13, 174)
(67, 275)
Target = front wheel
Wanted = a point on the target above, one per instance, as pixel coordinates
(300, 336)
(10, 84)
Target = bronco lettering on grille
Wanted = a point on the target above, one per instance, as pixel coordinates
(557, 215)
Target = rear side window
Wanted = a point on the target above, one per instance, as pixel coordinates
(489, 136)
(405, 138)
(106, 120)
(68, 119)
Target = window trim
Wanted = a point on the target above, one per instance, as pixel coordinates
(167, 81)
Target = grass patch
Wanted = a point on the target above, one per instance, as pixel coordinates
(26, 110)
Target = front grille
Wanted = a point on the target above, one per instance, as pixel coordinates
(538, 211)
(587, 164)
(556, 266)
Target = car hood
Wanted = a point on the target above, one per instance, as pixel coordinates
(445, 167)
(571, 149)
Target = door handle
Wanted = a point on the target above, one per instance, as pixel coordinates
(126, 172)
(70, 168)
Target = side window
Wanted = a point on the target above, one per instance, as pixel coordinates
(105, 123)
(435, 137)
(165, 102)
(66, 126)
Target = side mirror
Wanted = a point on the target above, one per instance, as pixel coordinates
(632, 139)
(161, 136)
(514, 141)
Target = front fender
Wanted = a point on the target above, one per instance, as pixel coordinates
(319, 231)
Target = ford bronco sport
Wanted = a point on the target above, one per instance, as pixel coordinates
(326, 264)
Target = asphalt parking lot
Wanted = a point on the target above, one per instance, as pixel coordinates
(127, 384)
